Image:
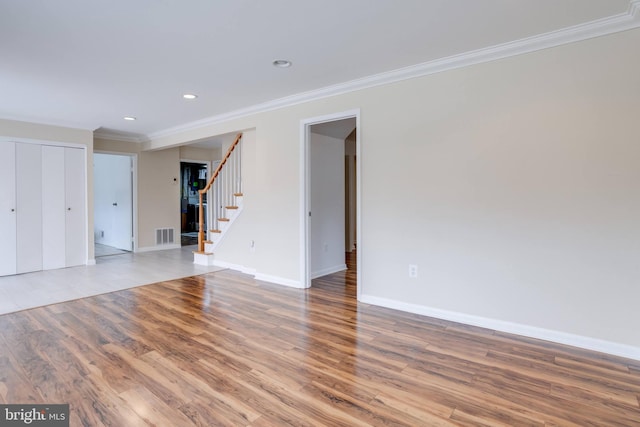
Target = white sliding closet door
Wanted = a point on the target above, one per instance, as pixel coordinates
(29, 207)
(74, 184)
(7, 208)
(53, 207)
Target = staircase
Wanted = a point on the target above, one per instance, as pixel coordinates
(224, 198)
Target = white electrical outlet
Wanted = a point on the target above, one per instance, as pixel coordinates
(413, 271)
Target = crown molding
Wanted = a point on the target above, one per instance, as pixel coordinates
(601, 27)
(45, 122)
(115, 136)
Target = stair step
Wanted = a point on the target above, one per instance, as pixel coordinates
(231, 207)
(203, 258)
(202, 253)
(207, 241)
(223, 219)
(238, 194)
(215, 231)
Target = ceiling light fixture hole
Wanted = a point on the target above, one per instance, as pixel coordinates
(282, 63)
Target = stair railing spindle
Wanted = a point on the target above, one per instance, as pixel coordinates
(201, 232)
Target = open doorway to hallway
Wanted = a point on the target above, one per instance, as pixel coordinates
(193, 178)
(331, 186)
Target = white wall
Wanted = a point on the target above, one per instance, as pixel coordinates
(519, 188)
(327, 222)
(513, 185)
(203, 154)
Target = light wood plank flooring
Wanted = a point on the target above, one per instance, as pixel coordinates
(224, 349)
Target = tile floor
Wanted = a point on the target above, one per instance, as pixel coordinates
(111, 273)
(104, 250)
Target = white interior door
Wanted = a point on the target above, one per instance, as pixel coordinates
(122, 203)
(29, 207)
(75, 217)
(7, 208)
(113, 200)
(53, 207)
(326, 192)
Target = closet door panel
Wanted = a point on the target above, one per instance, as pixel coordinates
(53, 207)
(75, 216)
(7, 208)
(29, 207)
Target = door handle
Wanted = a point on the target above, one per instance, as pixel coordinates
(13, 210)
(115, 203)
(68, 209)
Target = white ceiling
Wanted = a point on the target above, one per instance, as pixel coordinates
(87, 64)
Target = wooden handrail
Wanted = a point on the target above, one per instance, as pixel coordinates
(207, 187)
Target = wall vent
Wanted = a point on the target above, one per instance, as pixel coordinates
(164, 236)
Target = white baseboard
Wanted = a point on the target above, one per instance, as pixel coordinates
(622, 350)
(329, 270)
(259, 276)
(237, 267)
(279, 280)
(157, 248)
(92, 261)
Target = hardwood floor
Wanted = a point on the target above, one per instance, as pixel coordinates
(224, 349)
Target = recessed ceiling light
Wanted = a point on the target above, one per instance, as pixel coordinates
(282, 63)
(129, 118)
(189, 96)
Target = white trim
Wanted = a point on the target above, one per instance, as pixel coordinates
(359, 239)
(305, 256)
(157, 248)
(134, 166)
(279, 280)
(565, 338)
(305, 179)
(258, 276)
(610, 25)
(48, 122)
(87, 249)
(134, 193)
(113, 136)
(328, 270)
(52, 142)
(237, 267)
(92, 261)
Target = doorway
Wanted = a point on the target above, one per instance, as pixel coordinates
(193, 178)
(113, 203)
(330, 195)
